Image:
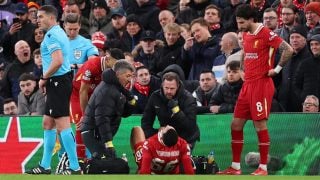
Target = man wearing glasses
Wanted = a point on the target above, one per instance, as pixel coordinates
(270, 19)
(310, 104)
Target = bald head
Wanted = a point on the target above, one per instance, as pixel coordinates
(166, 17)
(22, 51)
(229, 41)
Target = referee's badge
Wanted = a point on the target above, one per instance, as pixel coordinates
(77, 54)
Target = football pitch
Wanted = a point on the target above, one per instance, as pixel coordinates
(153, 177)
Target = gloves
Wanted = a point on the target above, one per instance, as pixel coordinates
(132, 100)
(174, 106)
(110, 151)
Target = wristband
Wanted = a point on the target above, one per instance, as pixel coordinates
(175, 109)
(277, 69)
(109, 144)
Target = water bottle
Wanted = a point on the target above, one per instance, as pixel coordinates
(211, 157)
(124, 157)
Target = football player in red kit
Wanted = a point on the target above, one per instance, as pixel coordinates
(162, 153)
(85, 81)
(255, 98)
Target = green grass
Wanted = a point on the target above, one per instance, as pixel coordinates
(153, 177)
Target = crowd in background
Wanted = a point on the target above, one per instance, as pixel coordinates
(197, 38)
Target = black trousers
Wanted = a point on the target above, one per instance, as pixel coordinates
(96, 147)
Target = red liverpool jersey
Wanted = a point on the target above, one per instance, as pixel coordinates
(160, 159)
(259, 50)
(89, 73)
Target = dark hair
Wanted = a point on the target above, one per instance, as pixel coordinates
(200, 21)
(292, 7)
(246, 12)
(72, 18)
(208, 71)
(270, 10)
(122, 65)
(170, 76)
(26, 77)
(170, 138)
(8, 100)
(50, 10)
(212, 6)
(141, 67)
(233, 65)
(36, 52)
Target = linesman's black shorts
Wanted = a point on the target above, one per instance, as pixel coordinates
(58, 89)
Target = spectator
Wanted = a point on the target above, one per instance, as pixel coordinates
(229, 17)
(307, 75)
(235, 56)
(81, 48)
(196, 10)
(131, 37)
(100, 19)
(288, 14)
(38, 36)
(174, 106)
(116, 36)
(165, 17)
(147, 52)
(228, 46)
(287, 98)
(98, 39)
(10, 107)
(185, 31)
(143, 87)
(203, 94)
(31, 101)
(32, 11)
(171, 52)
(212, 15)
(37, 69)
(104, 110)
(166, 141)
(114, 4)
(147, 12)
(20, 30)
(73, 6)
(22, 64)
(312, 13)
(310, 104)
(202, 52)
(226, 97)
(260, 6)
(270, 19)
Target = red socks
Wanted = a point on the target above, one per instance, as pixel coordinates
(236, 145)
(264, 143)
(81, 149)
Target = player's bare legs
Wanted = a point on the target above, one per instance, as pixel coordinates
(137, 139)
(264, 143)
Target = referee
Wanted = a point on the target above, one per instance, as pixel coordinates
(56, 83)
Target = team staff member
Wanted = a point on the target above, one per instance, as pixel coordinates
(255, 98)
(56, 83)
(109, 102)
(174, 106)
